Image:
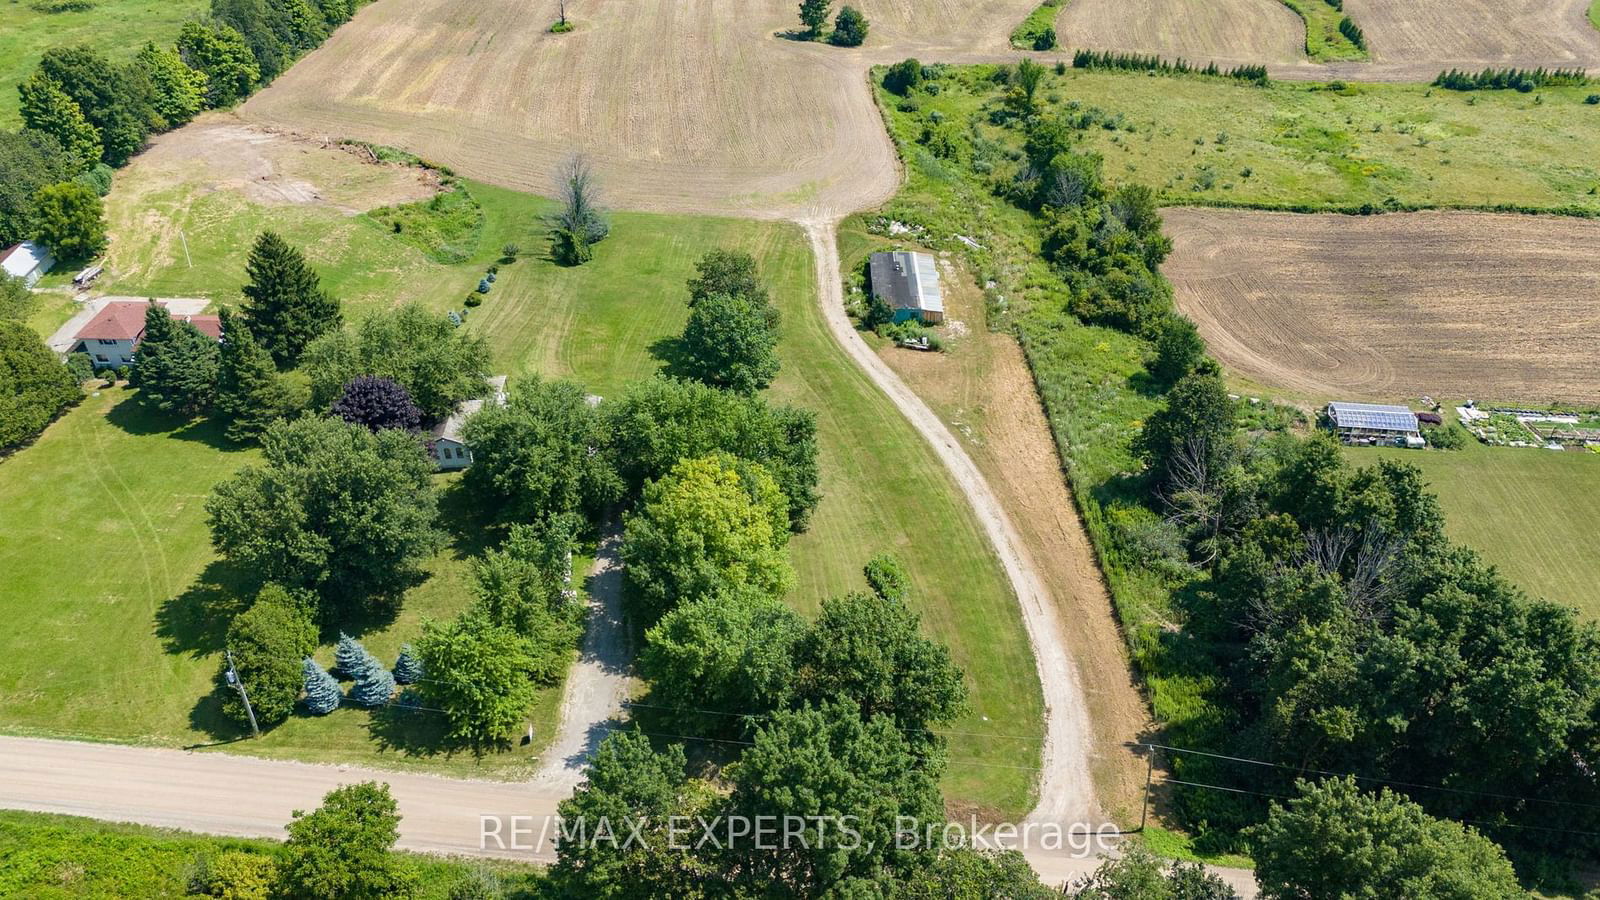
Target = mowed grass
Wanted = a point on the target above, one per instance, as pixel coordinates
(117, 28)
(1529, 512)
(604, 324)
(1302, 146)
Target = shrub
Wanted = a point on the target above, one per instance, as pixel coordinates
(561, 28)
(269, 642)
(233, 875)
(1592, 99)
(903, 77)
(849, 29)
(509, 253)
(1352, 32)
(322, 691)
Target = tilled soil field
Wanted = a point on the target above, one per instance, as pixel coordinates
(1228, 31)
(1475, 34)
(1502, 307)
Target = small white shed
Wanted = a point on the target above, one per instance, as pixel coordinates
(27, 260)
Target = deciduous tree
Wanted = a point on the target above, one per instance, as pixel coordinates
(702, 530)
(849, 29)
(731, 652)
(342, 849)
(656, 423)
(116, 99)
(437, 363)
(49, 110)
(270, 642)
(477, 674)
(377, 403)
(541, 454)
(34, 385)
(334, 508)
(1333, 840)
(70, 220)
(217, 50)
(730, 342)
(731, 273)
(580, 222)
(179, 91)
(814, 15)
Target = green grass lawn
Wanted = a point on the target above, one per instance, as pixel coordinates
(1195, 139)
(1324, 41)
(1529, 512)
(600, 324)
(1594, 13)
(118, 28)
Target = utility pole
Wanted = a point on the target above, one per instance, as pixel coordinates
(237, 684)
(1149, 770)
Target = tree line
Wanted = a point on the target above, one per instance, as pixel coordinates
(1139, 62)
(85, 115)
(1522, 80)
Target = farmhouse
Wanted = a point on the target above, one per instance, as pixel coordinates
(112, 336)
(445, 443)
(27, 260)
(909, 283)
(1372, 423)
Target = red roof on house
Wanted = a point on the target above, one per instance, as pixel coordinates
(123, 320)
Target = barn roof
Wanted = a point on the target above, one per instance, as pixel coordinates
(907, 280)
(20, 260)
(1376, 416)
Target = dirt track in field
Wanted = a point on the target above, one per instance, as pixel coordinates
(1263, 31)
(682, 105)
(1502, 307)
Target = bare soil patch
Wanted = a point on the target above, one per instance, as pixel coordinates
(1443, 303)
(1227, 31)
(982, 389)
(1478, 33)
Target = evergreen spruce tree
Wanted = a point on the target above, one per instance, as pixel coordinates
(407, 669)
(322, 691)
(375, 687)
(250, 393)
(284, 300)
(175, 368)
(350, 659)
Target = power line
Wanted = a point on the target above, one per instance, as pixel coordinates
(1391, 781)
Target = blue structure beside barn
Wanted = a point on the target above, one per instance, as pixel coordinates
(909, 283)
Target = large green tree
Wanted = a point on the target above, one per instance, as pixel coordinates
(730, 342)
(731, 652)
(179, 92)
(70, 220)
(657, 422)
(251, 395)
(342, 849)
(871, 650)
(437, 363)
(1334, 840)
(270, 642)
(814, 15)
(536, 456)
(731, 273)
(478, 674)
(175, 368)
(629, 783)
(285, 303)
(116, 99)
(29, 160)
(50, 110)
(825, 764)
(525, 584)
(704, 529)
(34, 385)
(217, 50)
(334, 508)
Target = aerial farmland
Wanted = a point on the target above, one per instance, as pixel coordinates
(897, 419)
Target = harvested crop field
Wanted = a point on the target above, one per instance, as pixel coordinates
(1502, 307)
(686, 107)
(1228, 31)
(1478, 33)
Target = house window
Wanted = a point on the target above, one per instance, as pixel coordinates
(105, 343)
(101, 357)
